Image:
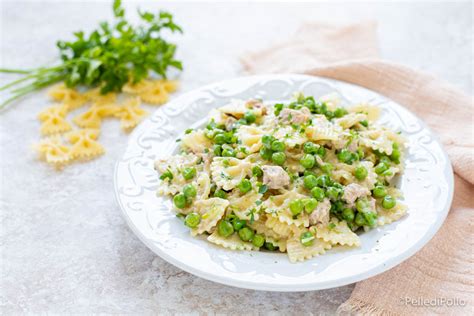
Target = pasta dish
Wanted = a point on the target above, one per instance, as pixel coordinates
(299, 177)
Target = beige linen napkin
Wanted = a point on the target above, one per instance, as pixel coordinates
(443, 269)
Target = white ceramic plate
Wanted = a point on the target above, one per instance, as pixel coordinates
(427, 185)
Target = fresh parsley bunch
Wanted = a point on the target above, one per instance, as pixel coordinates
(109, 57)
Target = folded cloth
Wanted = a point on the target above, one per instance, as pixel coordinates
(440, 278)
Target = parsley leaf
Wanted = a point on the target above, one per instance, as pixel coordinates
(109, 57)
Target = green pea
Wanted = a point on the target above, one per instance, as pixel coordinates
(266, 153)
(220, 194)
(225, 228)
(257, 171)
(323, 180)
(307, 239)
(219, 139)
(246, 234)
(380, 191)
(258, 241)
(321, 152)
(166, 175)
(189, 173)
(337, 206)
(318, 193)
(250, 117)
(278, 146)
(364, 123)
(189, 191)
(381, 168)
(345, 156)
(192, 220)
(278, 107)
(270, 246)
(267, 141)
(370, 218)
(278, 158)
(333, 193)
(228, 152)
(308, 172)
(360, 173)
(329, 114)
(310, 181)
(359, 219)
(217, 149)
(395, 156)
(340, 112)
(327, 167)
(387, 173)
(385, 159)
(348, 214)
(179, 200)
(308, 161)
(388, 202)
(238, 224)
(245, 186)
(230, 138)
(310, 204)
(296, 207)
(310, 148)
(362, 205)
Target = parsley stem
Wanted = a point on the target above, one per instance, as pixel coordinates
(15, 82)
(36, 85)
(15, 71)
(38, 73)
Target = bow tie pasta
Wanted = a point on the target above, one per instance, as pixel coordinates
(84, 143)
(299, 178)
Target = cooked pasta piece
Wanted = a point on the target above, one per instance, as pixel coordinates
(250, 137)
(228, 172)
(385, 217)
(337, 232)
(298, 252)
(211, 211)
(196, 142)
(282, 229)
(233, 242)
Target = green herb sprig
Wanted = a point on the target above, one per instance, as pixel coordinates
(108, 58)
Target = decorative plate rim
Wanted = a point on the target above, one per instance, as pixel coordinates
(285, 287)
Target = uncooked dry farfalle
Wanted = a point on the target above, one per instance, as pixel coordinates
(84, 144)
(53, 120)
(53, 151)
(72, 98)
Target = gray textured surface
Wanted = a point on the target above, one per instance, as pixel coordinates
(64, 246)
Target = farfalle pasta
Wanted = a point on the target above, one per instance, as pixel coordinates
(53, 120)
(71, 98)
(53, 151)
(84, 144)
(299, 178)
(130, 113)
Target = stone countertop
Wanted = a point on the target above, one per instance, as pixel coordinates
(65, 247)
